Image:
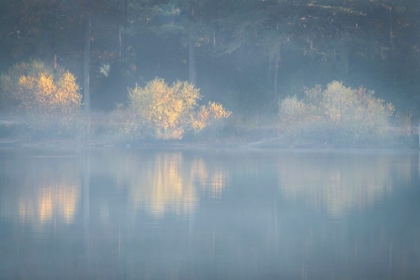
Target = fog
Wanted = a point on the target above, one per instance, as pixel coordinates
(248, 56)
(209, 139)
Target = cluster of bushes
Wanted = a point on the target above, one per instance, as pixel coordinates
(48, 102)
(337, 115)
(45, 99)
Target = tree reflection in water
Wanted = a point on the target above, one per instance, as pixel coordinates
(165, 182)
(340, 183)
(109, 214)
(42, 189)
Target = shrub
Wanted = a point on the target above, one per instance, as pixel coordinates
(336, 115)
(207, 114)
(47, 100)
(166, 112)
(39, 89)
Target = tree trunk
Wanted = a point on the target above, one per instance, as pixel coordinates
(86, 65)
(191, 55)
(120, 28)
(122, 6)
(343, 53)
(391, 41)
(125, 12)
(276, 73)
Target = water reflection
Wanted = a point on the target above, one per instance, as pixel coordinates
(106, 214)
(53, 200)
(340, 183)
(162, 186)
(163, 182)
(41, 190)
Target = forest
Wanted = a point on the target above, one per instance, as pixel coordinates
(301, 72)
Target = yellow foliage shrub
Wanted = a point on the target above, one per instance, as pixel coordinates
(206, 114)
(39, 89)
(168, 111)
(46, 99)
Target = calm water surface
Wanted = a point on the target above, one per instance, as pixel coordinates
(220, 214)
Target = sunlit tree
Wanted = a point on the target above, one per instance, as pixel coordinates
(35, 87)
(168, 111)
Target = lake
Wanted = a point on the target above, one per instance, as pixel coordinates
(209, 214)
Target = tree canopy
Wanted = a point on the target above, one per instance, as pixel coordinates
(244, 53)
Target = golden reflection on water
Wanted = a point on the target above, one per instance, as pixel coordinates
(163, 187)
(340, 184)
(173, 183)
(59, 200)
(165, 182)
(47, 190)
(160, 183)
(255, 228)
(169, 184)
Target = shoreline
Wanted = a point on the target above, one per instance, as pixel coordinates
(263, 144)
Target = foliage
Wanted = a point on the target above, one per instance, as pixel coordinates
(336, 115)
(166, 112)
(36, 88)
(46, 100)
(206, 114)
(248, 53)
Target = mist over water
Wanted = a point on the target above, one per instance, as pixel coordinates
(218, 214)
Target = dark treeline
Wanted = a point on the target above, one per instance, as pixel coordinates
(243, 53)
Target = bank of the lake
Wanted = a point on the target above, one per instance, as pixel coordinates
(230, 135)
(278, 142)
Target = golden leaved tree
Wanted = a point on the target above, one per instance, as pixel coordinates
(166, 112)
(36, 88)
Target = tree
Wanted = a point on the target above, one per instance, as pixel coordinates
(182, 20)
(37, 88)
(231, 42)
(337, 115)
(168, 111)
